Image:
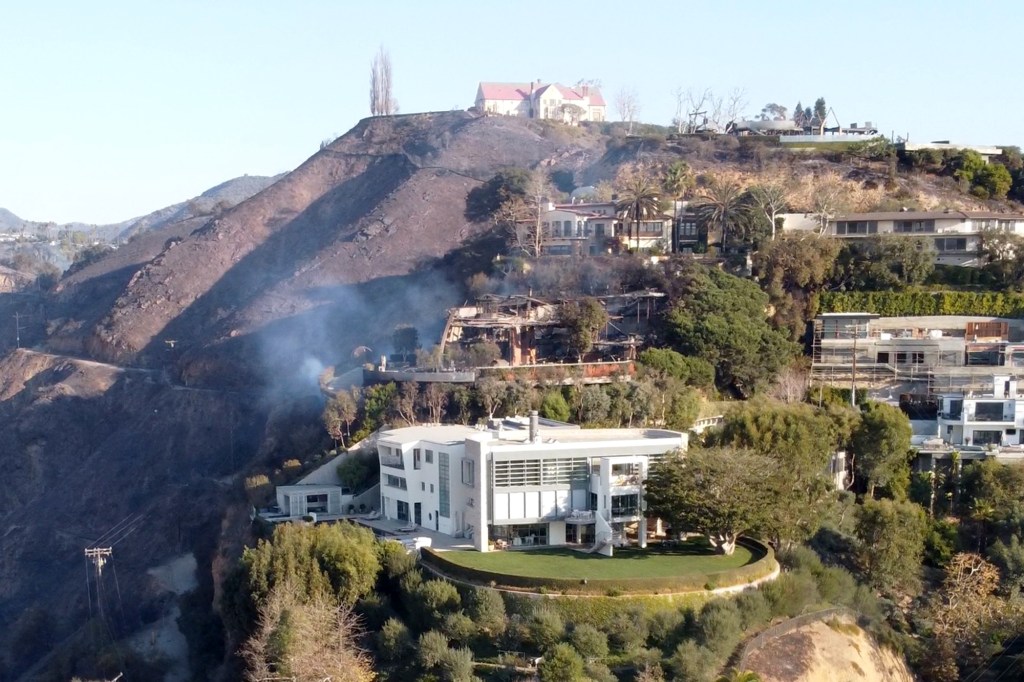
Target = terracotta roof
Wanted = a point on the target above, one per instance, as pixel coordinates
(521, 91)
(505, 91)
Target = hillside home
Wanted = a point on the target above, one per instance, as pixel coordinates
(551, 101)
(925, 356)
(592, 228)
(994, 418)
(957, 235)
(519, 483)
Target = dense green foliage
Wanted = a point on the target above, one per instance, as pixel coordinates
(896, 303)
(722, 319)
(881, 445)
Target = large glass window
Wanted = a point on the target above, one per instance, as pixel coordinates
(556, 471)
(394, 481)
(444, 505)
(403, 510)
(913, 226)
(856, 227)
(988, 412)
(625, 505)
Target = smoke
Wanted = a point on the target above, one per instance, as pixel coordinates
(311, 369)
(339, 319)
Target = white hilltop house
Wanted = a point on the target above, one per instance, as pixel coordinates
(520, 482)
(551, 101)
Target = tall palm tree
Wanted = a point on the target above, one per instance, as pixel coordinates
(721, 206)
(675, 182)
(638, 201)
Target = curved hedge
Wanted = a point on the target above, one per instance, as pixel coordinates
(693, 582)
(897, 303)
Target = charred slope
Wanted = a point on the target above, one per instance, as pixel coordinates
(381, 203)
(359, 237)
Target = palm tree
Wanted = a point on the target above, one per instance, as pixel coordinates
(675, 182)
(721, 205)
(638, 201)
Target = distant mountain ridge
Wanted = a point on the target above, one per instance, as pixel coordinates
(226, 194)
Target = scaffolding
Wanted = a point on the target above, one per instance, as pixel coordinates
(847, 351)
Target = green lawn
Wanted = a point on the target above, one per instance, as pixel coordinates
(655, 562)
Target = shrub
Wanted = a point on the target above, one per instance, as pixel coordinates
(433, 600)
(664, 628)
(719, 627)
(562, 664)
(836, 585)
(456, 665)
(431, 649)
(458, 627)
(790, 593)
(753, 608)
(628, 630)
(589, 641)
(394, 642)
(555, 407)
(693, 663)
(546, 629)
(897, 303)
(799, 557)
(487, 610)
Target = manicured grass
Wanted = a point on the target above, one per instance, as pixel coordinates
(655, 562)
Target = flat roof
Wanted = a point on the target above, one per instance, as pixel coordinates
(929, 215)
(458, 433)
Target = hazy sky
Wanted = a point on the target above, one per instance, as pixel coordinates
(109, 110)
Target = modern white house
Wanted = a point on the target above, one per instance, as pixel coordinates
(991, 419)
(551, 101)
(518, 483)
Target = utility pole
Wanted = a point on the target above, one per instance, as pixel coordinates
(17, 328)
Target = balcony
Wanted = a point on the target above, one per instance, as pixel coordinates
(623, 513)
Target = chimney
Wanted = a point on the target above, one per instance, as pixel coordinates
(534, 426)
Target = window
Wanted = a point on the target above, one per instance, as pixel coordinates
(394, 481)
(390, 457)
(430, 456)
(688, 228)
(625, 505)
(403, 511)
(555, 471)
(468, 471)
(316, 503)
(951, 244)
(856, 227)
(988, 412)
(423, 486)
(416, 458)
(913, 226)
(444, 492)
(599, 230)
(431, 487)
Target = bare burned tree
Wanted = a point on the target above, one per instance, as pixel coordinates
(520, 215)
(382, 102)
(627, 106)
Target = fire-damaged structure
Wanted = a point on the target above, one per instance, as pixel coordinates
(524, 330)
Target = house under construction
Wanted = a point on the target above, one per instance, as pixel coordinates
(529, 331)
(922, 356)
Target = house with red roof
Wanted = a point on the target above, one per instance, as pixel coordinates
(551, 101)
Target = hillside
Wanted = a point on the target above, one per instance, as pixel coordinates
(334, 253)
(163, 371)
(827, 652)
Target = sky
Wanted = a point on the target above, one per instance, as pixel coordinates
(112, 109)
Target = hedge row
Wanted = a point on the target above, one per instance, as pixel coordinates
(897, 303)
(694, 582)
